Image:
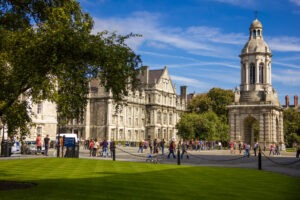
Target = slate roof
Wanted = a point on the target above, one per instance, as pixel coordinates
(154, 74)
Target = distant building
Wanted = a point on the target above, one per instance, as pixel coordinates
(256, 102)
(288, 105)
(149, 112)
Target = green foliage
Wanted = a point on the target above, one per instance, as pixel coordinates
(208, 115)
(291, 125)
(202, 126)
(47, 51)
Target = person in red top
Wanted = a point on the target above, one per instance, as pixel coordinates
(91, 147)
(38, 144)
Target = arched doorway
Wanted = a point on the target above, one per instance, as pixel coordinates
(251, 130)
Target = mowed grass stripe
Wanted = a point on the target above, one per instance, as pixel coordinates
(60, 178)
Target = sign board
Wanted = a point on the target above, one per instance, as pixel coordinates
(69, 142)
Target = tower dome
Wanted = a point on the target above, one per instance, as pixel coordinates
(256, 43)
(256, 24)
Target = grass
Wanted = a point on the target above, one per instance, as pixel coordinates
(290, 150)
(96, 179)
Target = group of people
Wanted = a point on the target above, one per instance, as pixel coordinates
(244, 148)
(99, 148)
(39, 144)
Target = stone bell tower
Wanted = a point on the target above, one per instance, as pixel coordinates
(256, 114)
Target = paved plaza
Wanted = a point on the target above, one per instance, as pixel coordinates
(286, 163)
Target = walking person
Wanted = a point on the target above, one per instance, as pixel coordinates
(97, 147)
(162, 144)
(277, 149)
(46, 143)
(171, 149)
(155, 146)
(247, 150)
(62, 144)
(151, 146)
(112, 147)
(140, 147)
(38, 144)
(91, 146)
(255, 148)
(271, 149)
(184, 150)
(240, 147)
(104, 146)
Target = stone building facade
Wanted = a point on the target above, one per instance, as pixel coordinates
(149, 112)
(256, 102)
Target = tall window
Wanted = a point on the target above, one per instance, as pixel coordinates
(39, 108)
(261, 73)
(170, 118)
(39, 130)
(165, 118)
(252, 73)
(158, 117)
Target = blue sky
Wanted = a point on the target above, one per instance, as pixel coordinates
(200, 40)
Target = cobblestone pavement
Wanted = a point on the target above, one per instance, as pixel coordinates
(286, 163)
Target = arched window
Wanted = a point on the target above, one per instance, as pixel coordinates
(254, 33)
(252, 73)
(261, 73)
(258, 32)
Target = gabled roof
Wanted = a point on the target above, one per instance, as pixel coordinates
(154, 75)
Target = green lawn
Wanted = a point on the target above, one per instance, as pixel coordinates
(95, 179)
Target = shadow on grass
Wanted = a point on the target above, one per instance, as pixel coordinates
(158, 183)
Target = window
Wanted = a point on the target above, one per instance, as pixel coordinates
(158, 98)
(252, 74)
(129, 135)
(136, 135)
(137, 110)
(143, 122)
(170, 101)
(170, 118)
(136, 121)
(39, 108)
(258, 33)
(39, 131)
(129, 121)
(121, 119)
(158, 133)
(158, 117)
(165, 118)
(114, 117)
(120, 134)
(113, 133)
(129, 110)
(261, 73)
(165, 100)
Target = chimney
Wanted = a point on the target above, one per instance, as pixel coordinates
(287, 101)
(296, 101)
(183, 92)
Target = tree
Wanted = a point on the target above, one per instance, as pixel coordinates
(291, 125)
(216, 100)
(47, 51)
(185, 126)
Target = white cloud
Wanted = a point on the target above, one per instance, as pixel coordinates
(297, 2)
(287, 77)
(286, 64)
(190, 82)
(165, 55)
(284, 43)
(195, 64)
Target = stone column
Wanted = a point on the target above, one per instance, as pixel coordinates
(257, 71)
(247, 76)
